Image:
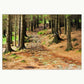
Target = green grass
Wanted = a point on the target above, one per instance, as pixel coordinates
(13, 38)
(4, 40)
(13, 55)
(42, 32)
(23, 61)
(43, 43)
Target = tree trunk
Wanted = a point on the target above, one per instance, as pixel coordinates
(59, 28)
(65, 29)
(49, 24)
(22, 34)
(69, 45)
(19, 28)
(52, 26)
(44, 23)
(8, 46)
(25, 25)
(37, 21)
(56, 35)
(15, 28)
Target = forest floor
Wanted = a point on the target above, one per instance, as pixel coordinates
(42, 53)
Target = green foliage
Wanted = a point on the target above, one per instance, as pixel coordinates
(76, 44)
(27, 29)
(73, 20)
(4, 40)
(66, 16)
(79, 20)
(13, 55)
(40, 32)
(23, 61)
(16, 57)
(40, 21)
(74, 39)
(43, 43)
(5, 16)
(13, 33)
(4, 59)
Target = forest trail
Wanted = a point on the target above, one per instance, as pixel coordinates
(40, 55)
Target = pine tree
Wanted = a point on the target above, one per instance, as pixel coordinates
(8, 42)
(69, 45)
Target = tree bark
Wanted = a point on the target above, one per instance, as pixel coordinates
(65, 29)
(69, 45)
(22, 34)
(8, 42)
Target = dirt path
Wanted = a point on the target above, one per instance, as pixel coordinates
(37, 56)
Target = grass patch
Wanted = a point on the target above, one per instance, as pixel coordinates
(16, 57)
(4, 40)
(4, 59)
(74, 39)
(42, 32)
(76, 44)
(43, 43)
(23, 61)
(13, 55)
(13, 38)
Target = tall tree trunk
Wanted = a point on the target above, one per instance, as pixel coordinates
(56, 34)
(56, 30)
(69, 45)
(31, 25)
(77, 23)
(15, 28)
(8, 46)
(25, 25)
(65, 29)
(49, 23)
(11, 28)
(44, 23)
(22, 34)
(19, 28)
(59, 28)
(52, 26)
(37, 21)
